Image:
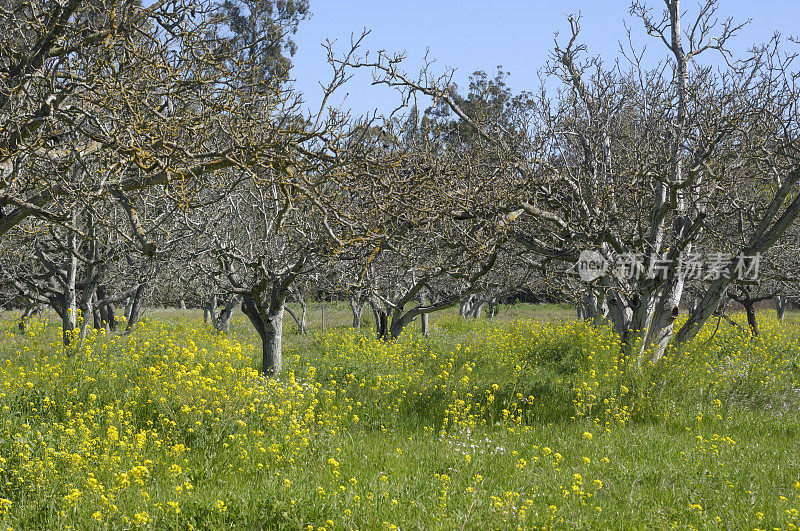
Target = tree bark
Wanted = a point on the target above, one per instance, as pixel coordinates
(381, 321)
(423, 318)
(136, 307)
(301, 321)
(128, 306)
(31, 309)
(106, 315)
(465, 307)
(357, 307)
(666, 311)
(268, 322)
(781, 302)
(477, 308)
(749, 308)
(587, 307)
(70, 314)
(210, 310)
(491, 311)
(111, 317)
(222, 323)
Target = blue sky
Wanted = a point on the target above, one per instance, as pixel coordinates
(477, 35)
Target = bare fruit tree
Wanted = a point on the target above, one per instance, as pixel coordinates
(637, 162)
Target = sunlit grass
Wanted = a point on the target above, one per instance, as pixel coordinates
(528, 420)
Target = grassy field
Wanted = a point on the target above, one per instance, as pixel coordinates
(528, 420)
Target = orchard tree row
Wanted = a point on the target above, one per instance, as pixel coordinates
(159, 153)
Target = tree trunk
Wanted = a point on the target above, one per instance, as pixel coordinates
(397, 325)
(271, 355)
(381, 321)
(128, 306)
(222, 323)
(587, 307)
(31, 309)
(136, 307)
(105, 312)
(210, 310)
(781, 302)
(666, 311)
(302, 323)
(491, 310)
(620, 313)
(465, 307)
(423, 319)
(70, 315)
(98, 319)
(357, 307)
(111, 317)
(268, 322)
(88, 313)
(477, 308)
(749, 308)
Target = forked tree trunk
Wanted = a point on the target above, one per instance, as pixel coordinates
(357, 307)
(744, 296)
(300, 320)
(222, 323)
(268, 322)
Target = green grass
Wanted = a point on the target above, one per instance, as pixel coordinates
(526, 420)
